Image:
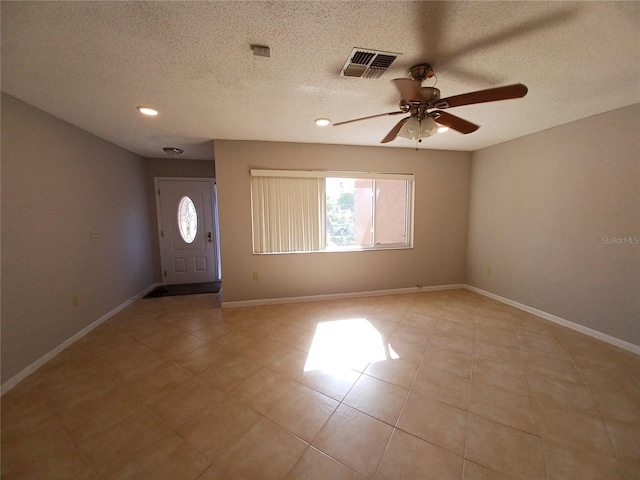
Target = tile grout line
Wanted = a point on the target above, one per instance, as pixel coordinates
(535, 410)
(404, 404)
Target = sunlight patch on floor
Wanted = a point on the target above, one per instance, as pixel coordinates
(340, 344)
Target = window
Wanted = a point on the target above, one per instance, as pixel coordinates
(187, 219)
(303, 211)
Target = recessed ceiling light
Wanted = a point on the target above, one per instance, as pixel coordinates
(442, 129)
(322, 122)
(152, 112)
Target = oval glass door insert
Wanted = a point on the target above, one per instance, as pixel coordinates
(187, 219)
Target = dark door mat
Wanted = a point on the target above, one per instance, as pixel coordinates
(184, 289)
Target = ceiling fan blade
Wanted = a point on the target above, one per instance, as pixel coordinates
(409, 89)
(367, 118)
(394, 131)
(517, 90)
(456, 123)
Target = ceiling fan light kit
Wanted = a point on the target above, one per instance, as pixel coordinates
(417, 129)
(424, 106)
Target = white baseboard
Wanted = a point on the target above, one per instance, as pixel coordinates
(337, 296)
(561, 321)
(24, 373)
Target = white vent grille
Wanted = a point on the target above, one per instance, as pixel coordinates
(364, 63)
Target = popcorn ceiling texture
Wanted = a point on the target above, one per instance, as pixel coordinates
(92, 63)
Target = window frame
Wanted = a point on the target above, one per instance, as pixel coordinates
(409, 207)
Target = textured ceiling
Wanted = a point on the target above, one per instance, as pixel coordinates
(92, 63)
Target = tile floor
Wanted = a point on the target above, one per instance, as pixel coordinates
(435, 385)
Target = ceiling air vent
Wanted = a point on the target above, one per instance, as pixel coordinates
(367, 63)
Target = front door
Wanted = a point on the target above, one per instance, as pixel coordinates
(188, 237)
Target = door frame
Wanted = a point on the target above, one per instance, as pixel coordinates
(214, 213)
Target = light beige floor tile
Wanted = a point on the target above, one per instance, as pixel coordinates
(496, 336)
(609, 378)
(354, 439)
(420, 321)
(506, 376)
(503, 406)
(565, 462)
(214, 330)
(111, 449)
(377, 398)
(443, 387)
(617, 405)
(263, 389)
(553, 393)
(203, 358)
(455, 326)
(625, 438)
(455, 363)
(216, 428)
(290, 335)
(27, 415)
(176, 347)
(264, 351)
(398, 372)
(133, 361)
(164, 461)
(543, 346)
(265, 452)
(49, 454)
(411, 335)
(473, 471)
(166, 378)
(551, 367)
(303, 412)
(504, 449)
(229, 372)
(177, 407)
(291, 364)
(159, 338)
(580, 430)
(450, 341)
(497, 353)
(411, 352)
(70, 396)
(212, 474)
(409, 457)
(315, 465)
(99, 414)
(238, 341)
(336, 384)
(436, 422)
(630, 468)
(83, 414)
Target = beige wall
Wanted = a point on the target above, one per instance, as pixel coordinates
(169, 167)
(441, 205)
(58, 184)
(540, 207)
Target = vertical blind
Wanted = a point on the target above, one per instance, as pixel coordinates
(288, 214)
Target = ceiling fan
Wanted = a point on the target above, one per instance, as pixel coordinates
(425, 107)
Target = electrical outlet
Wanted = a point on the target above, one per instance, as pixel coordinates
(256, 276)
(75, 300)
(488, 272)
(94, 234)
